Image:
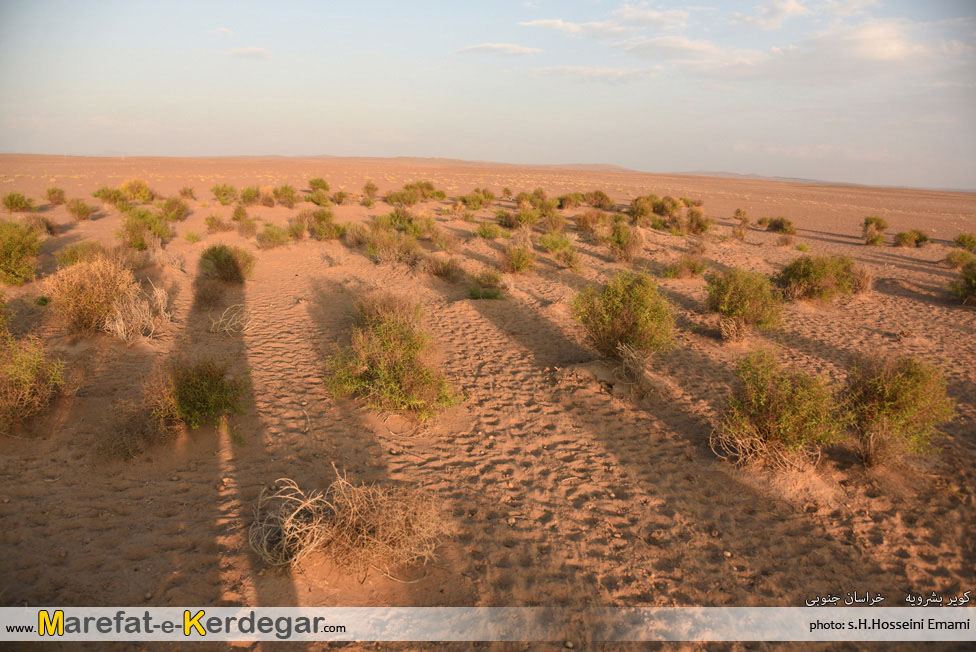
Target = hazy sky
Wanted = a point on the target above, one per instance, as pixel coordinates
(866, 91)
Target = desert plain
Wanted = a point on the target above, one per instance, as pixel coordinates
(561, 484)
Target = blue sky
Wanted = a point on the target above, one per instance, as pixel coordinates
(879, 92)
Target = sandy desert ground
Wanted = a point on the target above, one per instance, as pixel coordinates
(562, 488)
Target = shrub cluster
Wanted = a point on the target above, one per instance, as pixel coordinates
(742, 299)
(624, 241)
(487, 284)
(273, 236)
(598, 199)
(15, 202)
(964, 287)
(55, 196)
(413, 193)
(689, 265)
(779, 225)
(225, 263)
(19, 247)
(226, 194)
(138, 190)
(588, 221)
(80, 210)
(966, 241)
(627, 310)
(912, 238)
(251, 195)
(872, 229)
(387, 362)
(79, 252)
(186, 192)
(318, 183)
(29, 378)
(195, 392)
(819, 278)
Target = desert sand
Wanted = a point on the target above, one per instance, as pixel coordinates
(562, 487)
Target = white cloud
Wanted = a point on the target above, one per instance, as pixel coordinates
(499, 48)
(601, 73)
(249, 53)
(598, 29)
(849, 7)
(665, 19)
(673, 47)
(775, 13)
(223, 31)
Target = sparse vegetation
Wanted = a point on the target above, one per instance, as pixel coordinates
(196, 392)
(267, 200)
(215, 224)
(571, 200)
(628, 310)
(251, 195)
(19, 247)
(191, 237)
(959, 258)
(174, 209)
(964, 287)
(777, 416)
(819, 278)
(896, 405)
(340, 197)
(785, 240)
(598, 199)
(42, 224)
(186, 192)
(318, 183)
(487, 284)
(55, 196)
(79, 252)
(588, 221)
(742, 217)
(490, 231)
(554, 241)
(225, 194)
(873, 229)
(742, 299)
(225, 263)
(966, 241)
(247, 227)
(518, 258)
(137, 190)
(782, 225)
(387, 361)
(369, 191)
(15, 202)
(286, 195)
(698, 223)
(446, 268)
(29, 379)
(624, 241)
(273, 236)
(80, 210)
(143, 229)
(687, 266)
(913, 238)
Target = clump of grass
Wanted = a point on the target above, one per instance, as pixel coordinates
(688, 266)
(273, 236)
(360, 528)
(598, 199)
(913, 238)
(487, 284)
(239, 214)
(112, 197)
(191, 237)
(739, 232)
(387, 361)
(215, 223)
(966, 241)
(186, 192)
(490, 231)
(196, 392)
(588, 221)
(29, 379)
(42, 224)
(446, 268)
(964, 287)
(133, 429)
(370, 190)
(785, 240)
(174, 209)
(247, 227)
(413, 193)
(782, 225)
(554, 241)
(819, 278)
(79, 252)
(55, 196)
(506, 193)
(629, 311)
(872, 229)
(624, 241)
(340, 197)
(143, 229)
(518, 258)
(224, 263)
(226, 194)
(318, 183)
(252, 195)
(641, 208)
(553, 222)
(15, 202)
(524, 217)
(764, 222)
(698, 223)
(896, 405)
(570, 200)
(802, 247)
(777, 416)
(959, 258)
(741, 216)
(478, 198)
(80, 210)
(138, 190)
(742, 299)
(569, 257)
(267, 200)
(286, 195)
(19, 247)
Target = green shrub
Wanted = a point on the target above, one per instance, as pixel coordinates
(742, 216)
(627, 310)
(251, 195)
(571, 200)
(55, 196)
(42, 224)
(15, 202)
(785, 240)
(667, 206)
(197, 393)
(111, 196)
(641, 209)
(143, 229)
(780, 225)
(739, 232)
(137, 190)
(239, 214)
(588, 221)
(186, 192)
(913, 238)
(403, 197)
(964, 287)
(598, 199)
(386, 362)
(764, 222)
(216, 223)
(686, 267)
(624, 241)
(487, 284)
(29, 379)
(803, 247)
(518, 259)
(273, 236)
(80, 210)
(340, 197)
(966, 241)
(697, 222)
(819, 278)
(742, 299)
(446, 268)
(473, 200)
(225, 194)
(568, 256)
(506, 193)
(191, 237)
(873, 230)
(553, 242)
(286, 195)
(895, 405)
(318, 183)
(19, 247)
(174, 209)
(79, 252)
(778, 416)
(369, 191)
(322, 225)
(267, 200)
(959, 258)
(224, 263)
(490, 231)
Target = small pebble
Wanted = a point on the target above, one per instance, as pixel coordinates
(569, 645)
(728, 554)
(148, 596)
